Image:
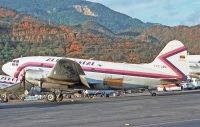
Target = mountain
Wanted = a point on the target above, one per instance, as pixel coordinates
(24, 35)
(74, 12)
(93, 27)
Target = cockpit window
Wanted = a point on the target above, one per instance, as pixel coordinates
(15, 62)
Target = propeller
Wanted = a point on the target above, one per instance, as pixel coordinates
(23, 80)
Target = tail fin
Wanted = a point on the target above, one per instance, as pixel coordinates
(173, 60)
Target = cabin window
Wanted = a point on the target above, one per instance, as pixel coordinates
(88, 63)
(15, 62)
(57, 60)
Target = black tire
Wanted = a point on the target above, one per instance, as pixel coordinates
(182, 89)
(153, 94)
(107, 95)
(51, 97)
(59, 97)
(4, 99)
(69, 96)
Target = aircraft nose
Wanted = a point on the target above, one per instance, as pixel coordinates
(7, 69)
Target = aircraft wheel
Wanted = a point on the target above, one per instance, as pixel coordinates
(51, 97)
(153, 94)
(107, 95)
(182, 89)
(91, 96)
(59, 97)
(4, 98)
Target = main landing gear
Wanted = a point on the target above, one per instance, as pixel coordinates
(53, 97)
(152, 92)
(3, 98)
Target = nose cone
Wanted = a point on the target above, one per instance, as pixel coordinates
(7, 69)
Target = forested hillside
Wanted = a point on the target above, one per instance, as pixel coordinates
(23, 35)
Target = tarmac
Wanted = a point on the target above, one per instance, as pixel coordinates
(134, 111)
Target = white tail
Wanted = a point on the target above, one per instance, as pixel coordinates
(173, 59)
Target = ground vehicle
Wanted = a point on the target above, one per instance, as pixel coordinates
(188, 86)
(195, 82)
(170, 87)
(191, 83)
(106, 93)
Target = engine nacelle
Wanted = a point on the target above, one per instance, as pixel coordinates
(35, 75)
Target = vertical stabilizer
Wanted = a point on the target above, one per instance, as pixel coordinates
(173, 60)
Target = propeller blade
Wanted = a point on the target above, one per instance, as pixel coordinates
(23, 80)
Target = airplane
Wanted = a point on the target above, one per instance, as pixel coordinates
(7, 83)
(60, 73)
(194, 66)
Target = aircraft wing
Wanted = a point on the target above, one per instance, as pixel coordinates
(12, 87)
(5, 85)
(69, 71)
(9, 83)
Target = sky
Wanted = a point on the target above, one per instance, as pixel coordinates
(166, 12)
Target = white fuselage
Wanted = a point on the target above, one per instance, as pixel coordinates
(7, 81)
(98, 73)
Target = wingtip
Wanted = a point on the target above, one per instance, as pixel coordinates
(84, 81)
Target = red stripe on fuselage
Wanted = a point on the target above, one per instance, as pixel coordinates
(128, 73)
(98, 70)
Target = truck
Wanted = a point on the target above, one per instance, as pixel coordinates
(169, 87)
(105, 93)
